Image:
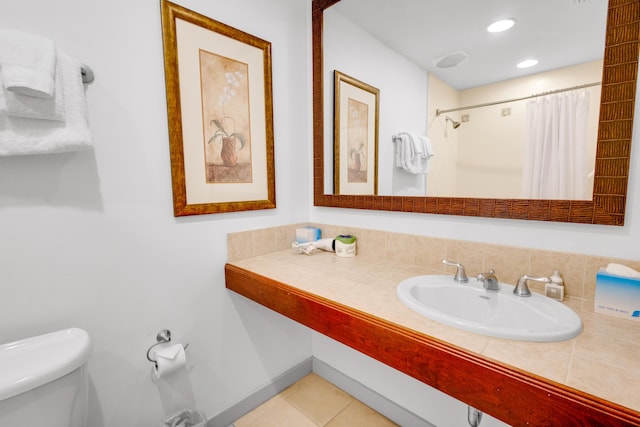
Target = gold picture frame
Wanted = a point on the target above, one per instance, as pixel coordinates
(356, 112)
(220, 115)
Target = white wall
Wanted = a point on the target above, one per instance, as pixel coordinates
(89, 239)
(403, 94)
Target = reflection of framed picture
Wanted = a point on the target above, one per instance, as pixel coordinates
(355, 136)
(220, 115)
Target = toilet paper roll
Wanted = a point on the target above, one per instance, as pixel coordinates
(169, 360)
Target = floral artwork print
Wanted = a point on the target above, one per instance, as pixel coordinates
(225, 109)
(357, 137)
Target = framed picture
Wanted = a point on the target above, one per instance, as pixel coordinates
(220, 113)
(355, 136)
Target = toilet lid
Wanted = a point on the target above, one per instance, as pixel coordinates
(32, 362)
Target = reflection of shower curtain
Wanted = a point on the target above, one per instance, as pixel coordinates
(555, 147)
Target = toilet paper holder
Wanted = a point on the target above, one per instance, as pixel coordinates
(164, 336)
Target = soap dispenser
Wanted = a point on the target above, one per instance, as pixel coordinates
(555, 289)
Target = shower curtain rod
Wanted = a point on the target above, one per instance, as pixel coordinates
(438, 112)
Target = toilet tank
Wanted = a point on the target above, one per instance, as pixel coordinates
(43, 380)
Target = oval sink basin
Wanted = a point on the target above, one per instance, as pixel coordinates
(499, 314)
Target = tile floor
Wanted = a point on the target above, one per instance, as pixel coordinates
(313, 402)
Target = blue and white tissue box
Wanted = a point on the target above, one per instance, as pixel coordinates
(307, 234)
(617, 296)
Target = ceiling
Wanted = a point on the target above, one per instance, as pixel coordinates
(557, 33)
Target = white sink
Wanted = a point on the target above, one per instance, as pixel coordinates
(499, 314)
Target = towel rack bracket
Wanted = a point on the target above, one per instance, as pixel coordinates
(87, 73)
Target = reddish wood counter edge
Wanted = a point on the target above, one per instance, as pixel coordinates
(511, 395)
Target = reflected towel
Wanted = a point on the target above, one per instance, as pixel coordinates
(413, 153)
(418, 147)
(20, 136)
(28, 63)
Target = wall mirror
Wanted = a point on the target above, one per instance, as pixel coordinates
(611, 83)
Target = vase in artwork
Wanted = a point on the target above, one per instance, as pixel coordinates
(229, 152)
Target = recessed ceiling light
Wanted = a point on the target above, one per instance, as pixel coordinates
(527, 63)
(501, 25)
(451, 60)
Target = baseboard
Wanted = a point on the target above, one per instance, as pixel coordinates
(281, 382)
(386, 407)
(373, 399)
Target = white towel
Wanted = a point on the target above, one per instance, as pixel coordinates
(427, 150)
(418, 146)
(413, 153)
(28, 63)
(32, 107)
(398, 146)
(20, 136)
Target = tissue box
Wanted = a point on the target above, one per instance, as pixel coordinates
(307, 234)
(617, 296)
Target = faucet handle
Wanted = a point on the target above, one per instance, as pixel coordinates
(491, 274)
(522, 289)
(461, 275)
(489, 280)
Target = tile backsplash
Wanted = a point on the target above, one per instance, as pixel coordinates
(509, 262)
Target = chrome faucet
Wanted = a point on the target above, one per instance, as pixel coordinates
(522, 289)
(461, 275)
(489, 280)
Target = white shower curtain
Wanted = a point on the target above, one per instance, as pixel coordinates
(555, 147)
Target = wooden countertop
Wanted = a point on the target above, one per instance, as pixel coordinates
(591, 380)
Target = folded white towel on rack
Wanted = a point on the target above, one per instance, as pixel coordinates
(19, 136)
(28, 63)
(413, 153)
(421, 147)
(32, 107)
(418, 146)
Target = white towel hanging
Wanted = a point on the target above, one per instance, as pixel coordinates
(412, 153)
(28, 63)
(33, 107)
(20, 136)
